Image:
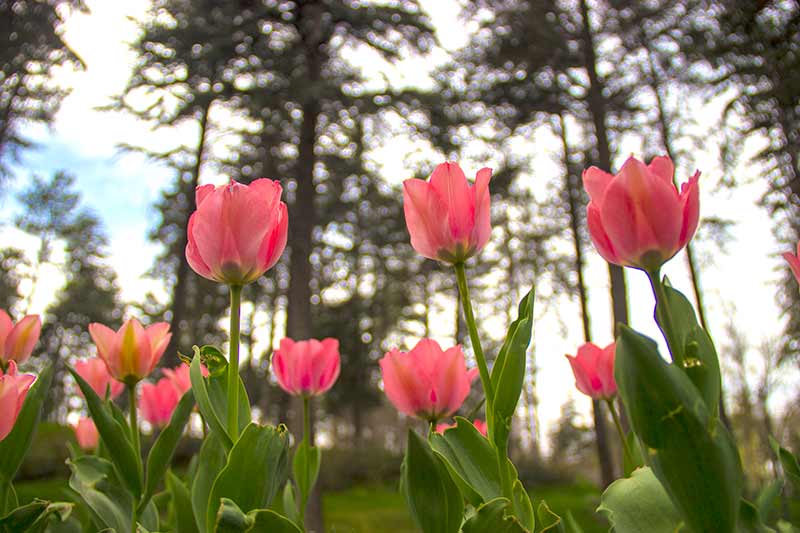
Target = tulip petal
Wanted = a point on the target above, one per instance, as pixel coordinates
(106, 341)
(6, 325)
(201, 193)
(482, 230)
(274, 243)
(662, 167)
(690, 204)
(595, 182)
(450, 183)
(599, 236)
(422, 208)
(193, 256)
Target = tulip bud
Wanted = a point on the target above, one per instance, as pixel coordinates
(306, 368)
(594, 371)
(132, 352)
(637, 218)
(448, 219)
(158, 401)
(86, 434)
(13, 390)
(238, 231)
(17, 341)
(427, 382)
(179, 377)
(794, 262)
(95, 372)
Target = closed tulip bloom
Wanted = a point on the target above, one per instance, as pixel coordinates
(179, 377)
(593, 368)
(638, 218)
(157, 402)
(306, 368)
(95, 372)
(447, 218)
(794, 262)
(238, 231)
(17, 340)
(86, 434)
(13, 389)
(133, 351)
(427, 382)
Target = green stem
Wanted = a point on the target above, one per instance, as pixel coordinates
(308, 444)
(233, 364)
(137, 447)
(664, 316)
(620, 431)
(4, 490)
(307, 420)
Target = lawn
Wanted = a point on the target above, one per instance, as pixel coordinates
(380, 508)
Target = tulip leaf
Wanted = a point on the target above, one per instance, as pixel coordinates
(789, 463)
(14, 447)
(181, 504)
(691, 344)
(115, 437)
(306, 465)
(164, 447)
(217, 387)
(471, 460)
(508, 373)
(433, 498)
(231, 519)
(35, 516)
(201, 395)
(94, 480)
(210, 461)
(691, 453)
(290, 502)
(496, 516)
(548, 521)
(640, 504)
(523, 508)
(257, 468)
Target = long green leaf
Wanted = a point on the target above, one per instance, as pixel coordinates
(639, 504)
(200, 389)
(94, 480)
(211, 461)
(183, 517)
(495, 516)
(231, 519)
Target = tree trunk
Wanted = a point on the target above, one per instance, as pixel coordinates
(600, 427)
(182, 271)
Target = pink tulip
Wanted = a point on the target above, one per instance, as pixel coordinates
(95, 372)
(427, 382)
(238, 231)
(132, 352)
(13, 389)
(794, 262)
(86, 434)
(637, 218)
(179, 377)
(17, 341)
(448, 219)
(306, 368)
(594, 371)
(158, 401)
(480, 425)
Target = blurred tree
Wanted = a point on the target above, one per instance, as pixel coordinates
(31, 48)
(12, 263)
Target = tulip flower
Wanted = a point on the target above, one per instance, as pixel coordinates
(179, 377)
(593, 368)
(17, 341)
(448, 219)
(132, 352)
(638, 218)
(794, 262)
(238, 231)
(306, 368)
(427, 382)
(95, 372)
(13, 390)
(86, 434)
(158, 401)
(480, 425)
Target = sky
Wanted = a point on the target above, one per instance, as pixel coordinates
(122, 187)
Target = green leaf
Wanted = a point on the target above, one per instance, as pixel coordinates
(572, 525)
(163, 449)
(306, 468)
(217, 387)
(114, 436)
(495, 516)
(94, 480)
(257, 468)
(629, 464)
(433, 498)
(210, 463)
(181, 504)
(694, 347)
(768, 497)
(750, 519)
(471, 460)
(231, 519)
(690, 452)
(523, 508)
(639, 504)
(35, 516)
(14, 447)
(200, 390)
(290, 503)
(791, 467)
(509, 368)
(548, 521)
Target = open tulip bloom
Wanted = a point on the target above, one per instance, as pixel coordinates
(17, 340)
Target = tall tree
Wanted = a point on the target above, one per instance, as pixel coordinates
(12, 262)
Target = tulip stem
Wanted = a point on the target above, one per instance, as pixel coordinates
(663, 316)
(622, 436)
(134, 421)
(233, 364)
(307, 421)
